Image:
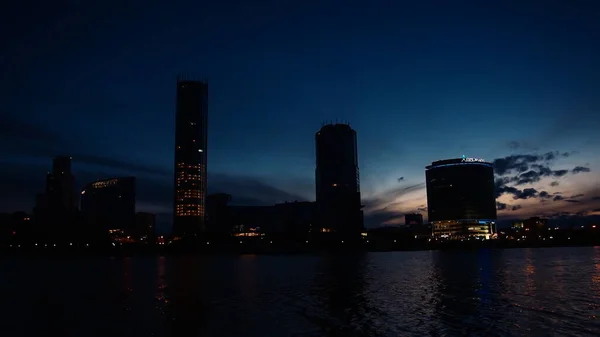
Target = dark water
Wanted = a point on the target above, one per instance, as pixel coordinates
(519, 292)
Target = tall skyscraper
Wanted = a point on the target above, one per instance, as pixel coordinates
(191, 124)
(337, 180)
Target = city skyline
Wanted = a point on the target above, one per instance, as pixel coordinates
(518, 91)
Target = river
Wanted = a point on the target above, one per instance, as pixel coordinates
(511, 292)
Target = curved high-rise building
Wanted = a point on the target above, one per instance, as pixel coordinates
(191, 126)
(461, 198)
(108, 204)
(337, 180)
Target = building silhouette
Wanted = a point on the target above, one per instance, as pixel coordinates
(190, 157)
(108, 205)
(294, 220)
(218, 220)
(337, 180)
(413, 219)
(145, 227)
(414, 223)
(461, 198)
(55, 210)
(15, 226)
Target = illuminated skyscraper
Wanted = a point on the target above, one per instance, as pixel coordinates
(337, 180)
(461, 198)
(191, 123)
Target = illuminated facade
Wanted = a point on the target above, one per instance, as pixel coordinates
(190, 157)
(108, 205)
(337, 180)
(461, 198)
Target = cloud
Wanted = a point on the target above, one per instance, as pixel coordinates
(536, 173)
(544, 195)
(515, 145)
(248, 190)
(155, 182)
(520, 163)
(525, 169)
(120, 165)
(383, 216)
(154, 185)
(383, 209)
(526, 194)
(26, 138)
(572, 199)
(392, 194)
(580, 169)
(500, 206)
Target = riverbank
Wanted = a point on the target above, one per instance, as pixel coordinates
(282, 248)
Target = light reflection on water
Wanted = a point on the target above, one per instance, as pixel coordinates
(519, 292)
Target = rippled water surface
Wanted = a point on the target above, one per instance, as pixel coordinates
(519, 292)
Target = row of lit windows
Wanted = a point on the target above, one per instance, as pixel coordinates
(194, 184)
(188, 214)
(191, 181)
(106, 183)
(187, 184)
(189, 190)
(184, 174)
(188, 194)
(195, 166)
(184, 179)
(188, 177)
(189, 205)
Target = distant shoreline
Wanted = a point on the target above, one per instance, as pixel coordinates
(284, 248)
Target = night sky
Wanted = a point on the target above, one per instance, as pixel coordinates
(514, 82)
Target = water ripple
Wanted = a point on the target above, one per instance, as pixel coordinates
(519, 292)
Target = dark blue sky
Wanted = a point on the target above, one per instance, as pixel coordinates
(418, 80)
